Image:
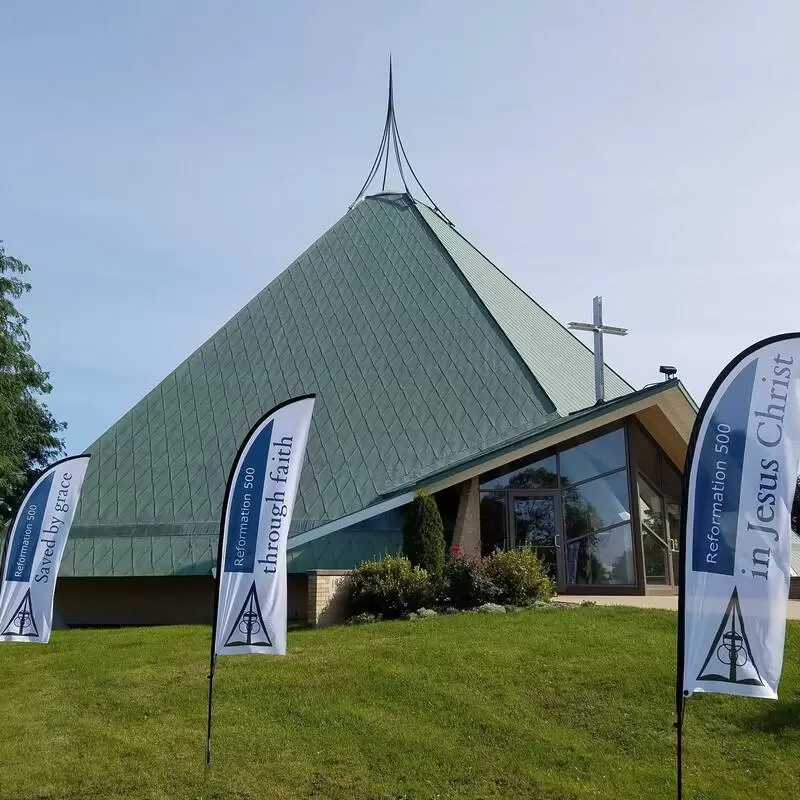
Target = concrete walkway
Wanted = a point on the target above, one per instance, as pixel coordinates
(666, 602)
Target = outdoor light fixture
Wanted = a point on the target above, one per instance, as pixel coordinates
(667, 371)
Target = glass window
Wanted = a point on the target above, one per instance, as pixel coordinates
(540, 474)
(594, 457)
(646, 455)
(494, 518)
(601, 558)
(655, 558)
(673, 522)
(598, 504)
(672, 481)
(651, 509)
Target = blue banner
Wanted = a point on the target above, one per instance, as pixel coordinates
(244, 509)
(26, 533)
(718, 483)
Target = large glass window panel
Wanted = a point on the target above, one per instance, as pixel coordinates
(672, 483)
(494, 520)
(655, 558)
(601, 558)
(651, 510)
(646, 455)
(673, 514)
(604, 454)
(538, 474)
(600, 503)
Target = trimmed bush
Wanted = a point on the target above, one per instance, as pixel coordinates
(390, 588)
(519, 576)
(466, 584)
(423, 536)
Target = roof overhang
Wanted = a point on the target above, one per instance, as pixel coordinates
(666, 410)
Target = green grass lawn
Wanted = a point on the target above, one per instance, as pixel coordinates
(540, 704)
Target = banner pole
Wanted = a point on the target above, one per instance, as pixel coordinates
(213, 656)
(210, 698)
(680, 697)
(6, 540)
(217, 584)
(679, 726)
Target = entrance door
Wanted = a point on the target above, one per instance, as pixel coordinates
(656, 559)
(536, 520)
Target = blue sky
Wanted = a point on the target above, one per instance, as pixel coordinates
(160, 162)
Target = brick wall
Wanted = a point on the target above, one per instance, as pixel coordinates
(327, 593)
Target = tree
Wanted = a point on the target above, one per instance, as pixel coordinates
(29, 438)
(423, 535)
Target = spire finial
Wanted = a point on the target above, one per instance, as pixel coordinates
(392, 143)
(391, 84)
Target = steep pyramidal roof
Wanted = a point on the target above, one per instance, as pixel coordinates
(412, 370)
(422, 354)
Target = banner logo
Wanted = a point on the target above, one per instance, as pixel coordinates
(730, 659)
(22, 622)
(249, 628)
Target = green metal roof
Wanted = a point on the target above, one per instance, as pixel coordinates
(563, 365)
(413, 373)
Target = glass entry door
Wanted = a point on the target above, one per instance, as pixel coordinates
(536, 520)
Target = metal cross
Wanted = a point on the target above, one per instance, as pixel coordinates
(598, 329)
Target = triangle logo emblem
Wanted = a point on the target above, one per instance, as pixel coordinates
(22, 622)
(249, 630)
(730, 659)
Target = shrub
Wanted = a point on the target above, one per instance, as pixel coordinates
(466, 583)
(519, 576)
(390, 587)
(423, 536)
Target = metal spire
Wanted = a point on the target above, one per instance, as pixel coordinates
(392, 146)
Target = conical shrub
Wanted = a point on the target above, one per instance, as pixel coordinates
(423, 536)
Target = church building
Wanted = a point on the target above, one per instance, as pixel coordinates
(432, 371)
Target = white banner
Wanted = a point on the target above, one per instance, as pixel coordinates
(251, 615)
(35, 545)
(743, 462)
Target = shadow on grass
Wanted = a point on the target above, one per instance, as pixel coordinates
(779, 717)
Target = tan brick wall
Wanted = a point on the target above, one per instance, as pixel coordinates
(467, 533)
(327, 593)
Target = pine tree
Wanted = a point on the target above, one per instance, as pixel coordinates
(423, 535)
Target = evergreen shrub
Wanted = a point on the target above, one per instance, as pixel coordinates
(390, 588)
(423, 536)
(466, 583)
(519, 575)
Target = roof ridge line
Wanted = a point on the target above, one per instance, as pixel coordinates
(471, 289)
(516, 285)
